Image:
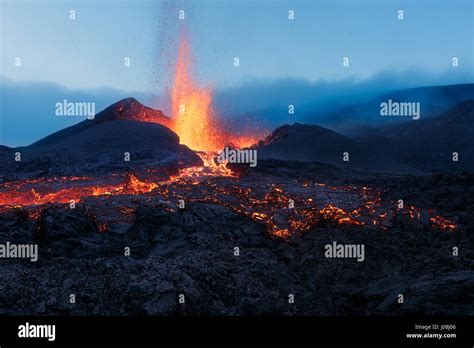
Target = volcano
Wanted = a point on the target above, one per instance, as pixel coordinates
(182, 215)
(133, 178)
(97, 145)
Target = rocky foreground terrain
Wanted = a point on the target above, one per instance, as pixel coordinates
(191, 251)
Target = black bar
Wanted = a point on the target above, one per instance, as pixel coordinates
(237, 330)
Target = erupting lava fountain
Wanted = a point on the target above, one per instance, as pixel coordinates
(194, 118)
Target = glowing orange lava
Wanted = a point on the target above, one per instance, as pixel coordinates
(194, 118)
(191, 107)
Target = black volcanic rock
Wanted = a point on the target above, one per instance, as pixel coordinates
(192, 252)
(100, 144)
(113, 138)
(301, 142)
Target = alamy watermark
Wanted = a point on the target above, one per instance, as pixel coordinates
(345, 251)
(21, 251)
(246, 156)
(67, 108)
(28, 330)
(405, 109)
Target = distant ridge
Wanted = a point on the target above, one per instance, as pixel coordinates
(434, 100)
(428, 144)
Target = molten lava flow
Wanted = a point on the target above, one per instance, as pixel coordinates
(210, 169)
(260, 199)
(37, 192)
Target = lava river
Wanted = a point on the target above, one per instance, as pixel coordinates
(286, 207)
